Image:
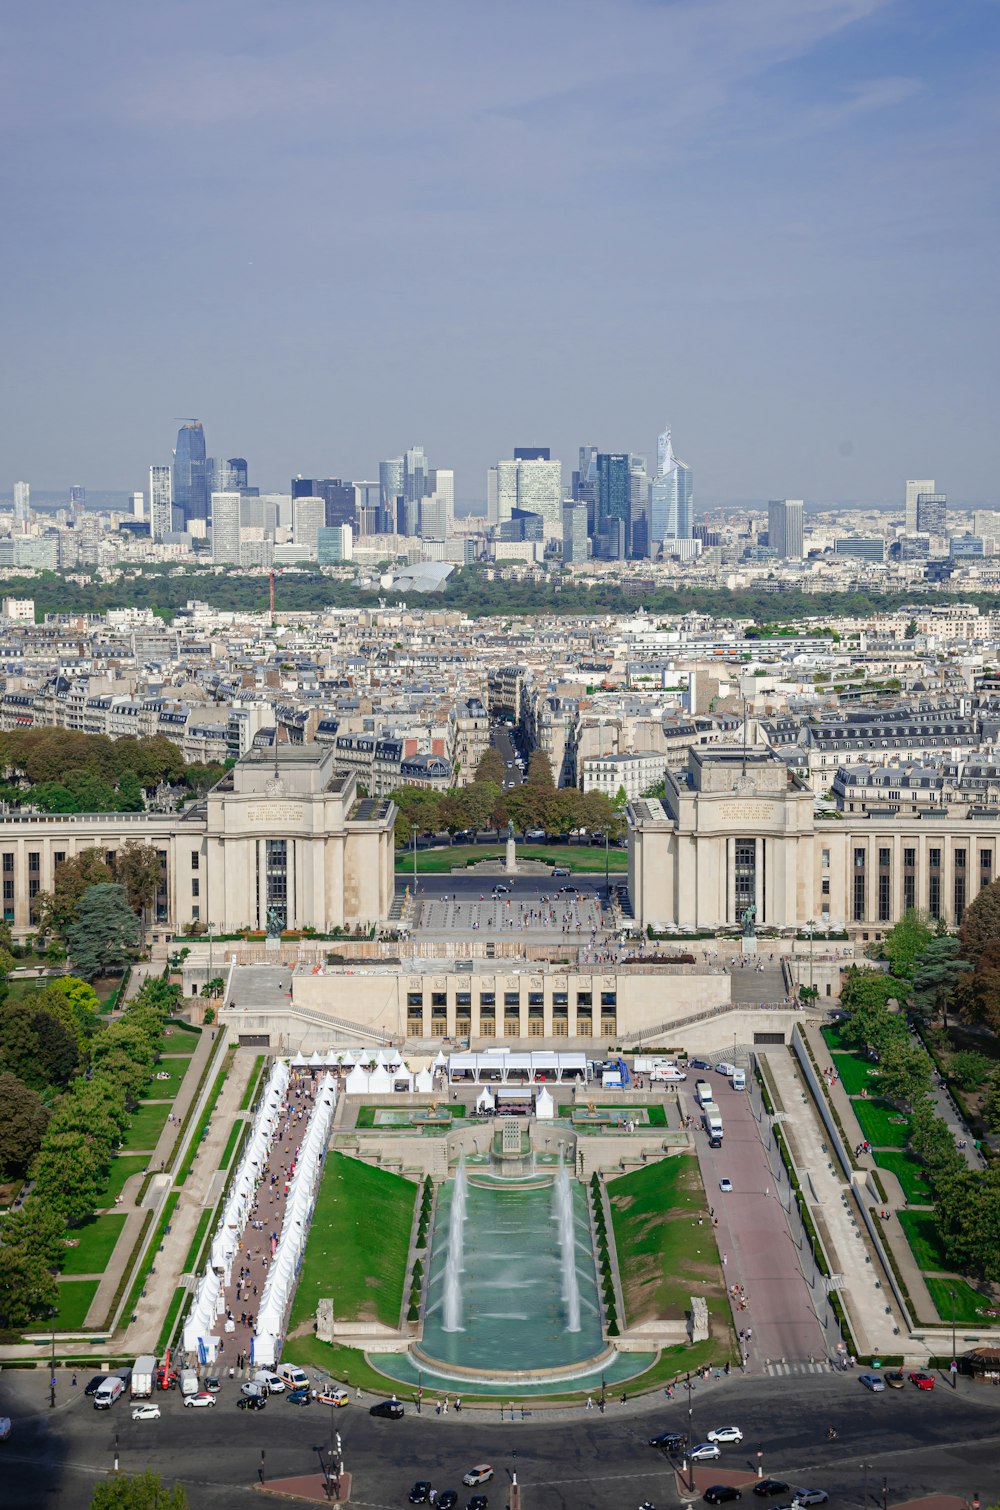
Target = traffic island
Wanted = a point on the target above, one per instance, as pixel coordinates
(314, 1488)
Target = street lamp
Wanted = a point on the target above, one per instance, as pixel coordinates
(954, 1350)
(864, 1468)
(607, 883)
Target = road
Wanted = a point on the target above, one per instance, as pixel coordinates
(945, 1441)
(506, 746)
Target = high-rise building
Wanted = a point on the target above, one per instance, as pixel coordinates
(613, 500)
(226, 528)
(334, 545)
(539, 491)
(161, 502)
(229, 476)
(932, 513)
(390, 487)
(638, 507)
(191, 473)
(138, 504)
(532, 453)
(784, 528)
(22, 506)
(77, 500)
(415, 474)
(506, 489)
(574, 532)
(308, 518)
(914, 487)
(671, 494)
(437, 508)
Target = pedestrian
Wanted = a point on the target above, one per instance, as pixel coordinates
(624, 1396)
(74, 1381)
(590, 1402)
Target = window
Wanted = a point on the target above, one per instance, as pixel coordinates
(535, 999)
(909, 859)
(8, 862)
(934, 895)
(34, 862)
(883, 859)
(488, 999)
(439, 998)
(195, 887)
(463, 999)
(512, 998)
(859, 898)
(195, 859)
(960, 859)
(414, 998)
(58, 858)
(34, 886)
(909, 893)
(985, 860)
(859, 859)
(934, 859)
(195, 914)
(826, 886)
(584, 999)
(609, 999)
(884, 900)
(959, 897)
(560, 998)
(8, 889)
(745, 879)
(826, 859)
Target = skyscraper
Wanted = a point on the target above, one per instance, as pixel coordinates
(161, 502)
(671, 494)
(784, 528)
(77, 500)
(614, 490)
(532, 453)
(574, 532)
(932, 513)
(914, 487)
(437, 508)
(226, 528)
(229, 476)
(638, 507)
(191, 473)
(22, 506)
(415, 475)
(308, 518)
(390, 487)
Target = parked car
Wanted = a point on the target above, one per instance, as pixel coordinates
(338, 1397)
(721, 1494)
(299, 1397)
(768, 1487)
(668, 1073)
(477, 1502)
(200, 1400)
(668, 1441)
(390, 1409)
(726, 1186)
(810, 1497)
(480, 1474)
(420, 1493)
(704, 1451)
(725, 1434)
(254, 1390)
(94, 1384)
(447, 1499)
(874, 1382)
(111, 1388)
(922, 1380)
(251, 1402)
(212, 1385)
(145, 1413)
(894, 1379)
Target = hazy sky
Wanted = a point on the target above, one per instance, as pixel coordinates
(334, 228)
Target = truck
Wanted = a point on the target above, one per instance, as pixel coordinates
(712, 1118)
(702, 1093)
(189, 1382)
(143, 1377)
(739, 1079)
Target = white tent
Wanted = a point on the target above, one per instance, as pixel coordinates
(440, 1063)
(379, 1082)
(425, 1082)
(393, 1059)
(356, 1083)
(484, 1101)
(544, 1105)
(299, 1062)
(316, 1059)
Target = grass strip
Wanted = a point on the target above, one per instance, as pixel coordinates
(970, 1306)
(236, 1134)
(76, 1296)
(206, 1116)
(204, 1221)
(94, 1243)
(179, 1140)
(145, 1268)
(580, 859)
(253, 1083)
(170, 1321)
(127, 1272)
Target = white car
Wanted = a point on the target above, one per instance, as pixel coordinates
(146, 1413)
(201, 1399)
(480, 1474)
(726, 1186)
(810, 1497)
(704, 1451)
(726, 1434)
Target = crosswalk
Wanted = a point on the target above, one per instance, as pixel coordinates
(782, 1370)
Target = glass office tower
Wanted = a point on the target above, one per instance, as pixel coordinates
(191, 473)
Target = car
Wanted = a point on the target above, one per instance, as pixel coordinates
(725, 1434)
(699, 1064)
(338, 1397)
(724, 1067)
(254, 1390)
(201, 1399)
(212, 1385)
(480, 1474)
(809, 1497)
(477, 1502)
(94, 1385)
(715, 1141)
(874, 1382)
(768, 1487)
(720, 1494)
(299, 1397)
(251, 1402)
(922, 1380)
(447, 1499)
(704, 1451)
(145, 1413)
(726, 1186)
(668, 1441)
(420, 1493)
(390, 1409)
(894, 1379)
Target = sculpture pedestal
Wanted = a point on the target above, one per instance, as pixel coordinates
(510, 863)
(748, 948)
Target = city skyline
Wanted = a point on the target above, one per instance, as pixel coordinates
(832, 159)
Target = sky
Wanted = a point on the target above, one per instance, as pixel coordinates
(331, 229)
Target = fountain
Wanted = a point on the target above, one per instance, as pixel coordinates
(562, 1210)
(456, 1252)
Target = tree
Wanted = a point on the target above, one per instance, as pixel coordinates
(865, 996)
(144, 1491)
(138, 869)
(57, 910)
(491, 767)
(130, 798)
(971, 1069)
(540, 770)
(936, 975)
(36, 1047)
(905, 942)
(904, 1072)
(104, 937)
(978, 993)
(980, 924)
(991, 1104)
(22, 1125)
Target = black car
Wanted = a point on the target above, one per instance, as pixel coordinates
(478, 1502)
(720, 1494)
(669, 1441)
(447, 1499)
(715, 1141)
(389, 1408)
(699, 1064)
(767, 1487)
(95, 1384)
(420, 1493)
(251, 1402)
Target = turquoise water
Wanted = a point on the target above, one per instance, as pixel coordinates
(618, 1370)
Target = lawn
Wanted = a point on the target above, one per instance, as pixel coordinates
(76, 1296)
(147, 1124)
(95, 1242)
(855, 1073)
(579, 858)
(910, 1173)
(122, 1168)
(968, 1302)
(924, 1240)
(836, 1039)
(178, 1040)
(663, 1254)
(358, 1244)
(881, 1123)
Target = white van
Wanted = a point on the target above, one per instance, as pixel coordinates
(292, 1376)
(109, 1391)
(739, 1080)
(270, 1381)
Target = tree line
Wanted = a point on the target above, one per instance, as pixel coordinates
(84, 1125)
(484, 804)
(64, 771)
